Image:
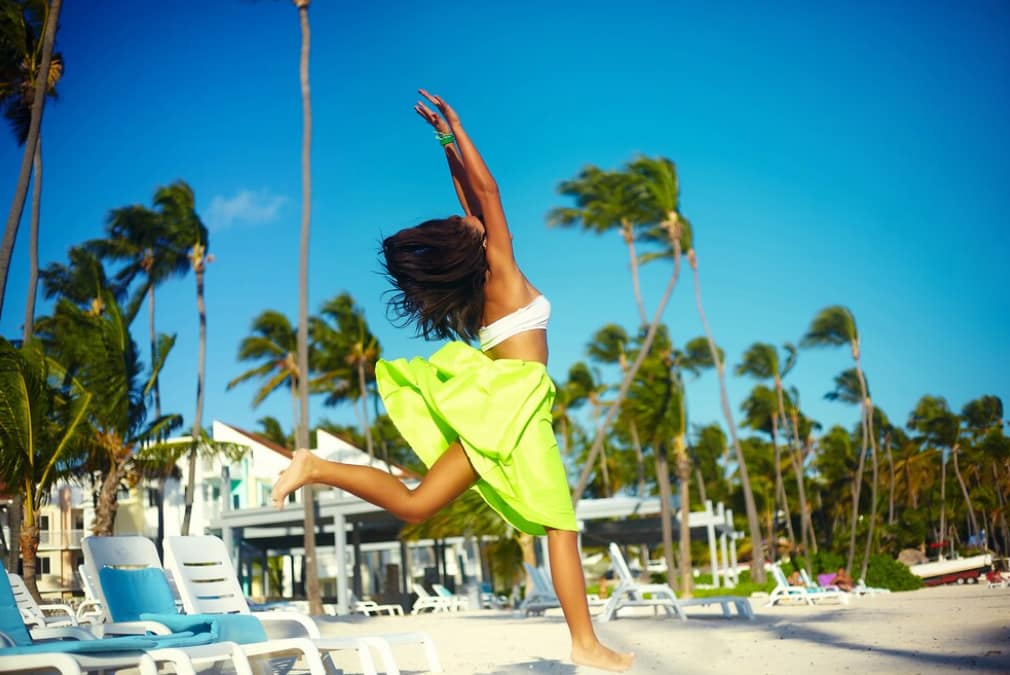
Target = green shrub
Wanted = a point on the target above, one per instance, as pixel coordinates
(886, 572)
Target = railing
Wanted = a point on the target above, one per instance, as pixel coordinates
(60, 539)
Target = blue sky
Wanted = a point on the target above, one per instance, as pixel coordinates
(852, 154)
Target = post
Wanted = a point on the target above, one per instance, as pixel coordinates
(710, 530)
(356, 544)
(340, 549)
(723, 553)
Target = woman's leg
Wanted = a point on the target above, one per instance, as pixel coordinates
(448, 477)
(570, 586)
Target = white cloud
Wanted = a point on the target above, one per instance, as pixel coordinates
(245, 208)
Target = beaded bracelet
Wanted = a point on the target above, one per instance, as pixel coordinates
(446, 138)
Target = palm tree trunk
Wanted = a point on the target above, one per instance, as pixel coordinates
(108, 503)
(15, 514)
(34, 127)
(780, 487)
(796, 459)
(364, 410)
(629, 238)
(154, 348)
(29, 544)
(665, 514)
(943, 499)
(684, 478)
(629, 376)
(857, 485)
(33, 242)
(873, 512)
(964, 491)
(1002, 509)
(757, 558)
(308, 494)
(890, 496)
(198, 415)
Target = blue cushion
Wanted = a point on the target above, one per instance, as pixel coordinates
(10, 618)
(129, 643)
(241, 628)
(131, 592)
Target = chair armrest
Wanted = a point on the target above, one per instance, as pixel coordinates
(66, 632)
(292, 617)
(58, 607)
(134, 628)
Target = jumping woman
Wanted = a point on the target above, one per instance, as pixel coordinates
(476, 418)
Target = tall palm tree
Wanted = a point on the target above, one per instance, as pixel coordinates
(760, 411)
(347, 352)
(186, 235)
(21, 28)
(43, 409)
(594, 209)
(302, 431)
(660, 178)
(941, 427)
(761, 361)
(12, 37)
(848, 389)
(835, 326)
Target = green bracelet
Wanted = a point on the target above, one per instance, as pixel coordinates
(446, 138)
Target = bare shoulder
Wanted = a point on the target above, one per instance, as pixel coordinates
(507, 288)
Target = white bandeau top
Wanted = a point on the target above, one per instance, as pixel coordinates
(533, 316)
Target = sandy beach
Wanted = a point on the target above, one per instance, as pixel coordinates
(933, 630)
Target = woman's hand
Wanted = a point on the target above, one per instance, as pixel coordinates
(447, 112)
(432, 118)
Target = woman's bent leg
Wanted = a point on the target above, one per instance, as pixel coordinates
(448, 477)
(570, 586)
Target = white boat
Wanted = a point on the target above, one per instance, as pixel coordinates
(954, 570)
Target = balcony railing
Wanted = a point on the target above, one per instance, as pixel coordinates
(60, 540)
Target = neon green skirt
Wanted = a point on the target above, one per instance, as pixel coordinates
(500, 411)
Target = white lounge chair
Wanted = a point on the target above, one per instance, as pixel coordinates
(784, 592)
(137, 554)
(458, 603)
(631, 593)
(370, 607)
(541, 598)
(862, 589)
(91, 607)
(208, 585)
(34, 614)
(426, 600)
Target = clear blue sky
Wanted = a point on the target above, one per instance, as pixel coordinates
(851, 154)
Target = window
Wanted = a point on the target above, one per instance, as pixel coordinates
(78, 521)
(152, 497)
(235, 502)
(44, 523)
(42, 565)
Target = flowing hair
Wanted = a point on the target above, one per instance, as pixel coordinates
(438, 270)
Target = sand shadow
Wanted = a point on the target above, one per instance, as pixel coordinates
(552, 666)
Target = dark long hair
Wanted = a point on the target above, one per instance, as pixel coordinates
(438, 270)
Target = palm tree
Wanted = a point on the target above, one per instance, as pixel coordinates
(302, 430)
(604, 201)
(40, 440)
(273, 345)
(21, 26)
(761, 361)
(589, 205)
(98, 349)
(832, 327)
(761, 414)
(347, 354)
(939, 426)
(848, 389)
(14, 45)
(660, 177)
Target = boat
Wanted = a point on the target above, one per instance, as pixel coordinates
(953, 570)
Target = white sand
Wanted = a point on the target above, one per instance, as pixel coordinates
(934, 630)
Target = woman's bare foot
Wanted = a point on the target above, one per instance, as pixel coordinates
(298, 473)
(601, 657)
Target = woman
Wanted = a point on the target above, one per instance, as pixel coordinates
(478, 419)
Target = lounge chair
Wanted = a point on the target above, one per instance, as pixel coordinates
(370, 607)
(134, 590)
(784, 592)
(79, 651)
(207, 584)
(426, 600)
(91, 607)
(458, 603)
(862, 589)
(34, 614)
(541, 598)
(631, 593)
